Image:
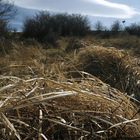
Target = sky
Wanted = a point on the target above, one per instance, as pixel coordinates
(99, 8)
(106, 11)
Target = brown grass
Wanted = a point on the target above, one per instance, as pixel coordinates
(38, 100)
(129, 43)
(115, 67)
(69, 109)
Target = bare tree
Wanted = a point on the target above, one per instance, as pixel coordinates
(116, 26)
(7, 10)
(99, 26)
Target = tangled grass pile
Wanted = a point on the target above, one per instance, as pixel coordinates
(113, 66)
(50, 107)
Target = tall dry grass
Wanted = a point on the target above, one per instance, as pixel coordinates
(38, 100)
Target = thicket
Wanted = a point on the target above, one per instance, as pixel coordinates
(133, 29)
(3, 28)
(47, 27)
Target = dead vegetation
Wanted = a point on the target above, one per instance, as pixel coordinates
(126, 42)
(47, 96)
(65, 109)
(115, 67)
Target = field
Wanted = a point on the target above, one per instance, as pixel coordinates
(76, 89)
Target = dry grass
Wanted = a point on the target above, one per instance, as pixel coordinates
(129, 43)
(39, 101)
(65, 109)
(115, 67)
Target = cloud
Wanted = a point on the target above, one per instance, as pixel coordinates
(127, 11)
(101, 8)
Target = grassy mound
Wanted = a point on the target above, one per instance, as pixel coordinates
(60, 108)
(112, 66)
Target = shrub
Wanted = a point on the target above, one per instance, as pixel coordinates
(99, 27)
(116, 27)
(133, 29)
(7, 12)
(3, 28)
(51, 38)
(47, 26)
(36, 27)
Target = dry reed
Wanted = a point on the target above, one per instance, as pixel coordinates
(60, 108)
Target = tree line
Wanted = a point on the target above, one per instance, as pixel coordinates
(46, 26)
(117, 28)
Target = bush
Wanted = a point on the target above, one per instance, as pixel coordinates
(133, 29)
(3, 28)
(51, 38)
(116, 27)
(46, 26)
(7, 12)
(99, 27)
